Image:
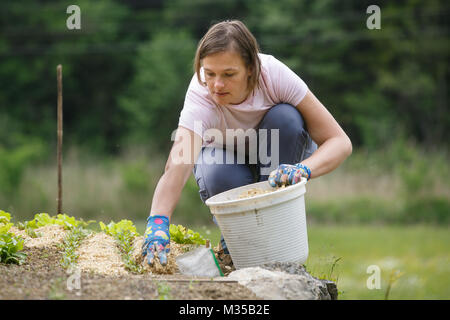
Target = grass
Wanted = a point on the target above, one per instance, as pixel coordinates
(385, 185)
(420, 254)
(100, 188)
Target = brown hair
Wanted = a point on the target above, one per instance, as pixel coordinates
(226, 35)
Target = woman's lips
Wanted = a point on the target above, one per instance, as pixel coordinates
(221, 94)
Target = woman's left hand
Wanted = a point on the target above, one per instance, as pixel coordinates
(288, 174)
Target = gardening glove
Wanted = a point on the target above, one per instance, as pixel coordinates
(156, 239)
(288, 174)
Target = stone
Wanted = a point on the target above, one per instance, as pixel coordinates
(284, 281)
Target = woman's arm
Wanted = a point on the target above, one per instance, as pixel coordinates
(334, 146)
(182, 157)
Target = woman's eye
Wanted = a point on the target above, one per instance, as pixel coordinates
(229, 74)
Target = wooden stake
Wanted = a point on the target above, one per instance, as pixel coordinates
(60, 136)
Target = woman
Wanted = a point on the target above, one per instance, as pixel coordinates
(237, 87)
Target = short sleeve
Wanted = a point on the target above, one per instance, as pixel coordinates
(198, 113)
(287, 85)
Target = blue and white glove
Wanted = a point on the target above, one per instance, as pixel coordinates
(156, 239)
(288, 174)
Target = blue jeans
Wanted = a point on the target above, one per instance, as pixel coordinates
(295, 145)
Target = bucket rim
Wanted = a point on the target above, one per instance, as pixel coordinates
(210, 202)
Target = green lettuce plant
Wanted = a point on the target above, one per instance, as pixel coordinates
(124, 233)
(10, 244)
(44, 219)
(183, 235)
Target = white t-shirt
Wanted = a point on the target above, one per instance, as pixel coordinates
(278, 84)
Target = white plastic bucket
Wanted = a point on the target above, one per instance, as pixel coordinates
(264, 228)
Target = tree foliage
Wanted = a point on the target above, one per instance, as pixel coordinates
(126, 71)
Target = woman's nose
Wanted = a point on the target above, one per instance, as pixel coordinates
(218, 84)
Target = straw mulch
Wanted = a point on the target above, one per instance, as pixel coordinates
(171, 267)
(99, 254)
(47, 236)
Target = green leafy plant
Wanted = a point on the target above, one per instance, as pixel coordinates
(10, 248)
(44, 219)
(5, 223)
(120, 228)
(5, 217)
(70, 244)
(183, 235)
(124, 232)
(10, 245)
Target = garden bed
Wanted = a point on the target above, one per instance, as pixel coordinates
(96, 269)
(60, 258)
(42, 277)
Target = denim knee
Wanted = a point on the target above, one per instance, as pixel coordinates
(213, 178)
(285, 117)
(294, 144)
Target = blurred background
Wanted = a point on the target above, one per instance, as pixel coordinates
(125, 74)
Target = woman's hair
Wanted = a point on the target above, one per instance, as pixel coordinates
(230, 35)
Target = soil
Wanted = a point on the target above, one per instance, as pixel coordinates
(42, 277)
(257, 191)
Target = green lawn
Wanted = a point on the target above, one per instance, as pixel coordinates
(420, 253)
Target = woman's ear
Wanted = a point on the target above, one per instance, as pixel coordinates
(249, 71)
(202, 74)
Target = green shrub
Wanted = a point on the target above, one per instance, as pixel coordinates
(427, 210)
(360, 210)
(432, 210)
(13, 163)
(135, 177)
(190, 207)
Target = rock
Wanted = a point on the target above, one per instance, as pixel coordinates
(296, 268)
(284, 281)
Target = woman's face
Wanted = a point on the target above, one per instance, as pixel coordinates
(226, 77)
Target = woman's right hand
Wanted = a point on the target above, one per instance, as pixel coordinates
(183, 154)
(156, 239)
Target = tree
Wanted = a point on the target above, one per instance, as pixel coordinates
(155, 96)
